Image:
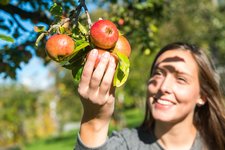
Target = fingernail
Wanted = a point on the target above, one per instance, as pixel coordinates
(112, 59)
(106, 55)
(94, 52)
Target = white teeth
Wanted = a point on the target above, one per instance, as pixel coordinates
(163, 102)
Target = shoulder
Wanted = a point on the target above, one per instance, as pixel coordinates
(135, 138)
(135, 135)
(198, 142)
(127, 131)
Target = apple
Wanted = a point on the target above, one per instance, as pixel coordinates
(59, 46)
(100, 52)
(121, 22)
(122, 46)
(104, 34)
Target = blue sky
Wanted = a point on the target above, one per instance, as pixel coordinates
(29, 75)
(35, 75)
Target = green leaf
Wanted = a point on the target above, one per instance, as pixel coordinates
(61, 30)
(81, 44)
(6, 38)
(76, 59)
(122, 70)
(56, 10)
(39, 28)
(77, 72)
(72, 62)
(82, 29)
(64, 63)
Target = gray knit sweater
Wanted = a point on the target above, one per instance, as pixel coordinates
(133, 139)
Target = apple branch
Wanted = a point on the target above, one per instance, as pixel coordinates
(74, 14)
(83, 4)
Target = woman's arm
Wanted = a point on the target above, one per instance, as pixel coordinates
(97, 96)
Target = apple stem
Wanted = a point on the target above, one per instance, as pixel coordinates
(41, 36)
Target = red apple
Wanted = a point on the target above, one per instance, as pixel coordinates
(121, 22)
(100, 52)
(122, 46)
(59, 46)
(104, 34)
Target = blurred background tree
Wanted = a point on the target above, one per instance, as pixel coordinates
(148, 24)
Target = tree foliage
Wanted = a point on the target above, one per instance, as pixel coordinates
(23, 15)
(14, 110)
(198, 22)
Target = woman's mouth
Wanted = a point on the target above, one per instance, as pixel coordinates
(164, 102)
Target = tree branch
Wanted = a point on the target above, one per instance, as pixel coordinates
(11, 9)
(83, 4)
(74, 14)
(19, 24)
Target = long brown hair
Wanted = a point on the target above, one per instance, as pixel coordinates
(209, 119)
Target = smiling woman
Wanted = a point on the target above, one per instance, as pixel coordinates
(184, 105)
(173, 72)
(184, 77)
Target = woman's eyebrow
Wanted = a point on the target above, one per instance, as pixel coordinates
(171, 69)
(184, 73)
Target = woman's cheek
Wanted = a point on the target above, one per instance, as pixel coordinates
(183, 93)
(152, 87)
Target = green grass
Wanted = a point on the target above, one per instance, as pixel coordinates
(62, 142)
(67, 141)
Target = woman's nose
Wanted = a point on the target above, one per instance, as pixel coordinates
(166, 85)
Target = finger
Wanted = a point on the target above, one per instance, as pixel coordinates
(99, 71)
(88, 68)
(108, 77)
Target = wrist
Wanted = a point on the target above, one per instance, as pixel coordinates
(94, 132)
(95, 123)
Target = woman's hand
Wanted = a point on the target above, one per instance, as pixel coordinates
(97, 96)
(95, 88)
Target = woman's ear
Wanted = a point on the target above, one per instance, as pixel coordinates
(201, 101)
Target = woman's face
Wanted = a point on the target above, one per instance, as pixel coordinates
(173, 89)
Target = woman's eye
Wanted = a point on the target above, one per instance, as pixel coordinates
(158, 72)
(181, 79)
